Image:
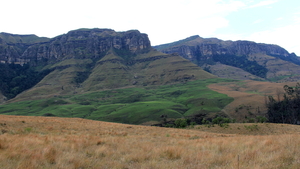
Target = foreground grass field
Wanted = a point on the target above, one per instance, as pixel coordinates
(51, 142)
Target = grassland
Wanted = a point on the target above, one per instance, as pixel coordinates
(130, 105)
(249, 97)
(50, 142)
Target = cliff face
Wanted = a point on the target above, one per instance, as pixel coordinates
(242, 54)
(200, 48)
(13, 46)
(86, 43)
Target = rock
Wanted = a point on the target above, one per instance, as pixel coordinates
(202, 49)
(81, 43)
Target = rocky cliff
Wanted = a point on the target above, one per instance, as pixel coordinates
(13, 46)
(86, 43)
(195, 48)
(242, 54)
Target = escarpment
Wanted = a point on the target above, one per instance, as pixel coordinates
(253, 60)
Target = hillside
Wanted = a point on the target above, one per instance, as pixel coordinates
(132, 105)
(249, 97)
(252, 61)
(96, 59)
(50, 142)
(105, 75)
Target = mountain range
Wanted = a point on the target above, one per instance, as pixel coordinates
(106, 75)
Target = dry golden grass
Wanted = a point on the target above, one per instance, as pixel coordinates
(251, 94)
(44, 142)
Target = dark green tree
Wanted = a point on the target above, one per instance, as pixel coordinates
(286, 110)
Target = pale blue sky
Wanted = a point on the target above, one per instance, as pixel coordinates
(265, 21)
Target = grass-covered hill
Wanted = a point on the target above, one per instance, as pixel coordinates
(132, 105)
(51, 142)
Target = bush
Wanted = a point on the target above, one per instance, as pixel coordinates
(221, 120)
(252, 127)
(48, 114)
(261, 119)
(251, 120)
(181, 123)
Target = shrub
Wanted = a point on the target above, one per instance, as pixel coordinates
(48, 114)
(221, 120)
(261, 119)
(251, 120)
(252, 127)
(181, 123)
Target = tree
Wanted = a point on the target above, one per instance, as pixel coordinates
(181, 123)
(286, 110)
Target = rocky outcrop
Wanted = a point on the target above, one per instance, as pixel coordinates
(264, 60)
(13, 46)
(87, 43)
(199, 48)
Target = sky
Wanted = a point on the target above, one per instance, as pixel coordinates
(263, 21)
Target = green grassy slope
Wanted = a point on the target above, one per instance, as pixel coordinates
(109, 72)
(113, 70)
(131, 105)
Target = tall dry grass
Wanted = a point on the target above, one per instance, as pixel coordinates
(40, 142)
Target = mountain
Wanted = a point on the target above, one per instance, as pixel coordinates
(238, 59)
(106, 75)
(93, 59)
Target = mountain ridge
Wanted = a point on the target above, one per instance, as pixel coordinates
(206, 52)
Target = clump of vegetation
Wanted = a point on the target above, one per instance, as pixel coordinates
(261, 119)
(48, 114)
(220, 121)
(181, 123)
(253, 127)
(286, 110)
